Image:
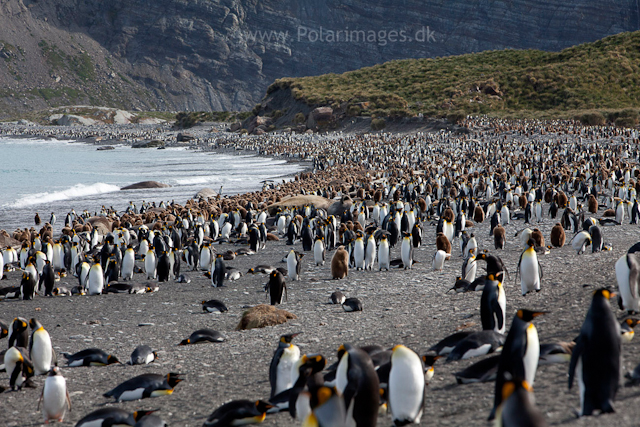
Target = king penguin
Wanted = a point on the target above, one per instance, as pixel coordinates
(529, 269)
(319, 251)
(493, 304)
(357, 382)
(150, 264)
(128, 262)
(383, 253)
(596, 358)
(520, 354)
(406, 386)
(518, 408)
(294, 266)
(370, 253)
(40, 349)
(55, 397)
(95, 279)
(282, 364)
(628, 277)
(218, 272)
(406, 251)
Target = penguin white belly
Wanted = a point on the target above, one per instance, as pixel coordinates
(131, 395)
(406, 390)
(370, 257)
(205, 260)
(127, 266)
(96, 423)
(448, 230)
(75, 363)
(150, 265)
(624, 286)
(383, 257)
(285, 365)
(291, 267)
(359, 255)
(478, 351)
(405, 254)
(438, 260)
(472, 268)
(96, 280)
(41, 353)
(54, 398)
(529, 277)
(531, 355)
(303, 407)
(318, 250)
(581, 386)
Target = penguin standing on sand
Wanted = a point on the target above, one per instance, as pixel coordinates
(55, 397)
(357, 382)
(493, 304)
(340, 263)
(48, 278)
(40, 349)
(628, 277)
(150, 264)
(95, 279)
(406, 251)
(520, 354)
(529, 269)
(294, 266)
(319, 251)
(383, 254)
(128, 262)
(218, 272)
(406, 386)
(596, 358)
(164, 267)
(282, 363)
(205, 257)
(370, 253)
(28, 286)
(277, 287)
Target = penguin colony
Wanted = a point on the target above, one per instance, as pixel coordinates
(443, 203)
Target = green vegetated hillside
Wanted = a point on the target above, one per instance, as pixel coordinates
(594, 80)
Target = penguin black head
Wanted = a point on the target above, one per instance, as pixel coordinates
(287, 338)
(173, 379)
(263, 406)
(529, 315)
(429, 359)
(531, 243)
(111, 359)
(604, 292)
(34, 324)
(137, 415)
(509, 388)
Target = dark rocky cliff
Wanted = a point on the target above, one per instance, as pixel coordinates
(222, 54)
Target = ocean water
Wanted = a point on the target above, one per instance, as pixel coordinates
(47, 176)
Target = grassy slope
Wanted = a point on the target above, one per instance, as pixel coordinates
(604, 75)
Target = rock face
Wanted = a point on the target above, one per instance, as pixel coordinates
(206, 55)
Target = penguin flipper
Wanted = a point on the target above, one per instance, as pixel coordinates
(499, 314)
(576, 353)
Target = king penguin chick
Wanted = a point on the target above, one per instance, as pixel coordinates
(340, 263)
(529, 269)
(55, 397)
(596, 359)
(284, 358)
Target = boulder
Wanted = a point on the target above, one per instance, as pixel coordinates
(264, 315)
(72, 120)
(259, 121)
(6, 241)
(145, 184)
(320, 117)
(235, 127)
(185, 137)
(155, 143)
(205, 193)
(122, 117)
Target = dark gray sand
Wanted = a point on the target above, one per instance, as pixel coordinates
(410, 307)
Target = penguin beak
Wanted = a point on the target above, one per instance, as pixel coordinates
(539, 313)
